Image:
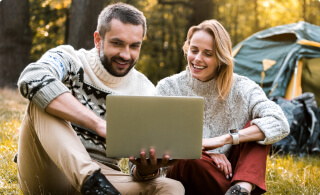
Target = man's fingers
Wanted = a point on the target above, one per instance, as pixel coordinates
(143, 159)
(133, 160)
(153, 157)
(165, 160)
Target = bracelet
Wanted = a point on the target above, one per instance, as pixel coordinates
(235, 136)
(147, 177)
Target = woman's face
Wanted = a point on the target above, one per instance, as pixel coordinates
(201, 59)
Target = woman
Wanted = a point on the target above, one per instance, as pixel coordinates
(230, 102)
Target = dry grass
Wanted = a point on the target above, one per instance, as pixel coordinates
(285, 174)
(12, 107)
(293, 175)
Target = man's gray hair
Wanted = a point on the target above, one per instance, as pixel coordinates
(125, 13)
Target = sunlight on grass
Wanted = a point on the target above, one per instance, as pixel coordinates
(293, 175)
(12, 107)
(285, 174)
(8, 148)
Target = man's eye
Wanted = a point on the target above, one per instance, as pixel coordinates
(116, 43)
(135, 46)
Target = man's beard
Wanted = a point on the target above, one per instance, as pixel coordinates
(108, 65)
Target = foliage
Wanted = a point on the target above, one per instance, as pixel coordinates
(168, 23)
(161, 53)
(48, 20)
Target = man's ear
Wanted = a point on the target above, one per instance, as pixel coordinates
(97, 40)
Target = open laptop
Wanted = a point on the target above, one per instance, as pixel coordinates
(170, 125)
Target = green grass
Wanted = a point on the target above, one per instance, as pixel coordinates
(285, 174)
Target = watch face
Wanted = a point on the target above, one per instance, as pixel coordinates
(233, 131)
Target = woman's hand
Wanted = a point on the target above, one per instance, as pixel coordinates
(216, 142)
(222, 162)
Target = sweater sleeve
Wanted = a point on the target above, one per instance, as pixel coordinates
(165, 87)
(41, 82)
(267, 115)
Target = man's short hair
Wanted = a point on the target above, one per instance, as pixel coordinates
(125, 13)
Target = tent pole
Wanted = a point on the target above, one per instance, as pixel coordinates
(282, 69)
(295, 79)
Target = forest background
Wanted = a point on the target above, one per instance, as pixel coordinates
(28, 28)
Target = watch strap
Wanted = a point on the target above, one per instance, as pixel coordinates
(147, 177)
(235, 136)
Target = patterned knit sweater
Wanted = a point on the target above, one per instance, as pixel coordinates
(81, 73)
(246, 102)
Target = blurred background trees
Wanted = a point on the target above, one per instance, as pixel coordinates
(56, 22)
(15, 40)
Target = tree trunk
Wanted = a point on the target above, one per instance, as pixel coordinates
(256, 17)
(304, 12)
(15, 40)
(202, 10)
(83, 22)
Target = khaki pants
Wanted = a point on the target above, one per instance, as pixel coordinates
(52, 160)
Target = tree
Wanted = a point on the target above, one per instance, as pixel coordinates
(15, 40)
(202, 10)
(83, 22)
(48, 25)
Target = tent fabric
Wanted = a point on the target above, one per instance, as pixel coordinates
(311, 77)
(285, 45)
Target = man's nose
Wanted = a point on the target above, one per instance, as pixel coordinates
(125, 53)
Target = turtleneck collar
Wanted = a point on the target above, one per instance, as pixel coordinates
(103, 75)
(201, 87)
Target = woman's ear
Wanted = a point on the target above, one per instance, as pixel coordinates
(97, 40)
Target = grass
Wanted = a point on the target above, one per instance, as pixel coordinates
(285, 174)
(12, 107)
(293, 175)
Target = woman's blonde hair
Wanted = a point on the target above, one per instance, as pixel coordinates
(223, 47)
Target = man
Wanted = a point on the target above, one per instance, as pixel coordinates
(62, 141)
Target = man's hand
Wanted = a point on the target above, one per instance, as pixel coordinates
(101, 128)
(67, 107)
(146, 166)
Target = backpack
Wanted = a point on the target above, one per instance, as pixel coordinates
(303, 116)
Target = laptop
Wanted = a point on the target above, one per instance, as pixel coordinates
(170, 124)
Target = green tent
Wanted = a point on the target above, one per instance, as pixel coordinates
(283, 60)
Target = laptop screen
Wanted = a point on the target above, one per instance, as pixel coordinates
(170, 125)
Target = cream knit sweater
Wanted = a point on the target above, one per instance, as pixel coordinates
(246, 102)
(80, 72)
(64, 69)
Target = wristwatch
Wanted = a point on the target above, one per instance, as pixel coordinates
(235, 136)
(147, 177)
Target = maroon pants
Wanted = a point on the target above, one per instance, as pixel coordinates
(202, 176)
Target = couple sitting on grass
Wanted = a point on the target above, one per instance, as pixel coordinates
(67, 89)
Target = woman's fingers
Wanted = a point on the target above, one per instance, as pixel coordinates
(227, 168)
(222, 163)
